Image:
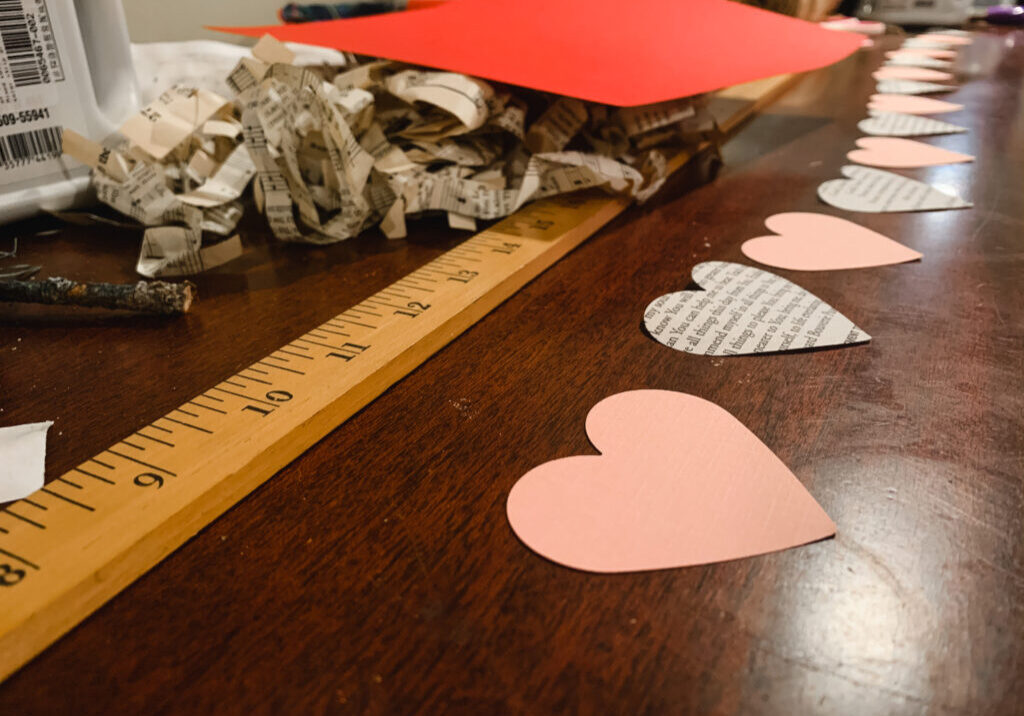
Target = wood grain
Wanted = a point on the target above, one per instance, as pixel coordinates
(377, 573)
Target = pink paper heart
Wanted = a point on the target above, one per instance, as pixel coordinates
(818, 242)
(896, 153)
(679, 482)
(922, 52)
(923, 74)
(909, 104)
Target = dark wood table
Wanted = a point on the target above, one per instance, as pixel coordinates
(378, 573)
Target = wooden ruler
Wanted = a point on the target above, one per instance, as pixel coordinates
(77, 542)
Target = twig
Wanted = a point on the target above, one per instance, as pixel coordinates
(147, 297)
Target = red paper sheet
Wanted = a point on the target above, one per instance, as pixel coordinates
(620, 53)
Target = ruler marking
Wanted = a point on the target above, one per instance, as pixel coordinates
(245, 397)
(336, 333)
(163, 430)
(68, 482)
(322, 345)
(23, 519)
(354, 323)
(133, 445)
(182, 410)
(189, 425)
(95, 477)
(211, 397)
(27, 501)
(298, 348)
(101, 463)
(281, 367)
(257, 370)
(289, 353)
(69, 500)
(6, 532)
(16, 558)
(207, 407)
(144, 464)
(254, 380)
(156, 440)
(414, 287)
(359, 310)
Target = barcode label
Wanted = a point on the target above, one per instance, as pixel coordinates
(26, 147)
(18, 45)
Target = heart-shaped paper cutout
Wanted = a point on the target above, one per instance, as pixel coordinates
(910, 73)
(917, 61)
(897, 153)
(921, 52)
(679, 482)
(875, 191)
(896, 124)
(744, 310)
(911, 87)
(908, 104)
(806, 241)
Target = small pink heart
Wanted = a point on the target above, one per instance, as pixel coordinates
(923, 74)
(896, 153)
(908, 104)
(679, 482)
(819, 242)
(922, 52)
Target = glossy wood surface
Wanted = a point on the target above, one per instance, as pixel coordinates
(377, 573)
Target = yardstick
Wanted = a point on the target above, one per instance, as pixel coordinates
(87, 534)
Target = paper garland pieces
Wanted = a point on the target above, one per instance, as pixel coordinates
(895, 153)
(679, 482)
(911, 87)
(874, 190)
(743, 310)
(896, 124)
(908, 104)
(806, 241)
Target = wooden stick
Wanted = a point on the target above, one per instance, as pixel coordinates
(147, 297)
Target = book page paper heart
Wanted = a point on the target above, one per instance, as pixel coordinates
(917, 61)
(921, 52)
(908, 104)
(743, 310)
(875, 191)
(911, 87)
(896, 153)
(819, 242)
(910, 73)
(679, 482)
(22, 460)
(896, 124)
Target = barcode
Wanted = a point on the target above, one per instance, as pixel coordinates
(36, 145)
(21, 56)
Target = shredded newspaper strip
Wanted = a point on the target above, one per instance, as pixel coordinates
(332, 151)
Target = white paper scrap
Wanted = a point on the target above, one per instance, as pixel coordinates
(22, 460)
